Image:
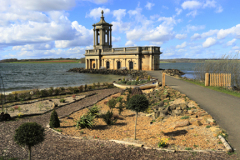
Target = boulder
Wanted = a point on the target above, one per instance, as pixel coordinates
(177, 112)
(54, 105)
(181, 123)
(183, 106)
(178, 101)
(197, 123)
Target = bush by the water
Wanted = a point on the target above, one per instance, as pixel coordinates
(54, 121)
(29, 134)
(112, 103)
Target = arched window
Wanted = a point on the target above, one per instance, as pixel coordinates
(107, 65)
(118, 65)
(130, 65)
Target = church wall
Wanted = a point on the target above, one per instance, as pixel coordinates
(145, 62)
(156, 61)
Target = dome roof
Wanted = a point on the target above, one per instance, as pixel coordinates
(102, 22)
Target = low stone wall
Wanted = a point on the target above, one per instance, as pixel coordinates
(124, 72)
(173, 72)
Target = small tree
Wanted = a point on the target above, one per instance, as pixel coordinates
(112, 103)
(137, 103)
(29, 134)
(54, 121)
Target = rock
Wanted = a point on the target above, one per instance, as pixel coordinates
(215, 130)
(192, 104)
(54, 105)
(183, 106)
(197, 123)
(172, 107)
(176, 112)
(190, 112)
(181, 123)
(178, 101)
(150, 115)
(210, 120)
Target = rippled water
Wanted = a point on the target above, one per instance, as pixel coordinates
(43, 75)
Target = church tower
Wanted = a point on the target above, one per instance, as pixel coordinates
(102, 34)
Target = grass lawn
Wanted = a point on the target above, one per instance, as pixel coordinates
(219, 89)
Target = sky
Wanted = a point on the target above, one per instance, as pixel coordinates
(31, 29)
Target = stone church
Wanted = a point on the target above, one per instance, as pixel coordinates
(104, 56)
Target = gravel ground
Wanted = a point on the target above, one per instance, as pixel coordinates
(58, 147)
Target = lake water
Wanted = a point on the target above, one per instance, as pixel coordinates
(25, 76)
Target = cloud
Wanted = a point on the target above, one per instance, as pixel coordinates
(31, 47)
(230, 43)
(181, 36)
(119, 14)
(196, 36)
(191, 5)
(129, 43)
(209, 42)
(205, 34)
(98, 1)
(149, 5)
(235, 31)
(192, 13)
(114, 39)
(96, 12)
(83, 37)
(195, 28)
(210, 4)
(43, 5)
(120, 26)
(183, 45)
(219, 9)
(179, 11)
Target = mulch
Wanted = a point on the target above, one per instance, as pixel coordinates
(60, 148)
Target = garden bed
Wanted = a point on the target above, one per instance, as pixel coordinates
(149, 131)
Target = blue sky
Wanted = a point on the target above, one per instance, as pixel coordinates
(63, 28)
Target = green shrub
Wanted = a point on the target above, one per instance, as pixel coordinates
(108, 118)
(149, 77)
(54, 121)
(85, 121)
(134, 83)
(80, 88)
(93, 111)
(75, 90)
(23, 96)
(185, 117)
(10, 97)
(62, 100)
(50, 91)
(62, 89)
(71, 89)
(15, 96)
(44, 93)
(112, 103)
(98, 84)
(137, 79)
(128, 83)
(120, 108)
(85, 87)
(137, 103)
(29, 134)
(57, 91)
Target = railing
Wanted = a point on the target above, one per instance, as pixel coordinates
(124, 50)
(218, 79)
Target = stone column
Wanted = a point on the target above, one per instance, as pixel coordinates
(110, 36)
(94, 39)
(150, 63)
(86, 63)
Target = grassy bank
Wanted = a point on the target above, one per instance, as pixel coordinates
(219, 89)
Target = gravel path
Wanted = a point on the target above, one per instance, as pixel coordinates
(58, 147)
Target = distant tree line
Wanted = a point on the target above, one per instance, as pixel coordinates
(82, 60)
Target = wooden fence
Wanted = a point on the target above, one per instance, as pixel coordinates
(218, 79)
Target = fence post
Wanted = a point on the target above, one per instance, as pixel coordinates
(206, 79)
(163, 80)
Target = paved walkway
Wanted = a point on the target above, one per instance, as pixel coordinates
(225, 109)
